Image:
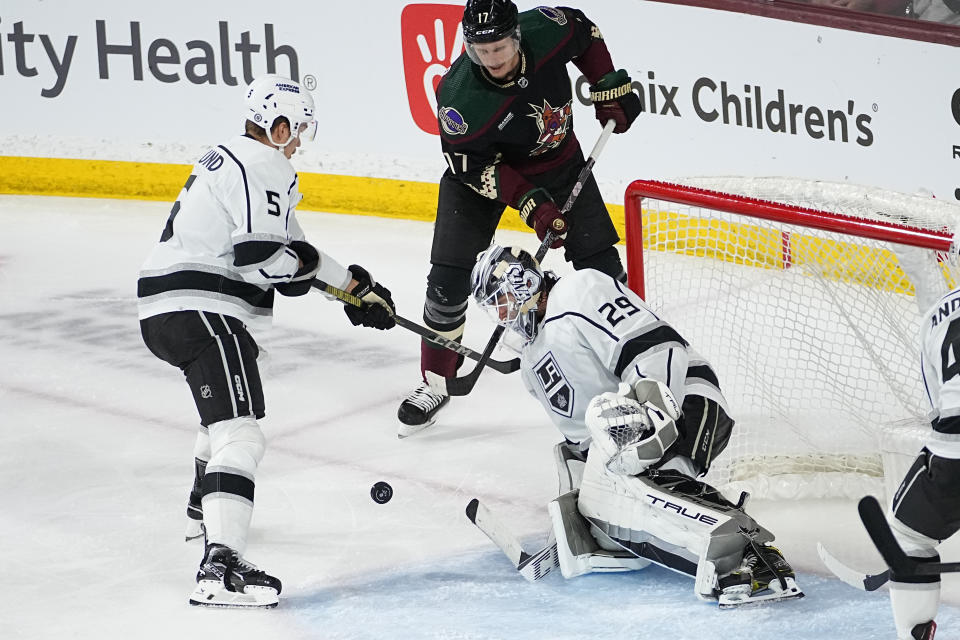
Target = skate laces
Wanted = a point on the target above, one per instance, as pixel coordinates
(424, 398)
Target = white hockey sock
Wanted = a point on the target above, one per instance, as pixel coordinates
(913, 604)
(237, 446)
(201, 446)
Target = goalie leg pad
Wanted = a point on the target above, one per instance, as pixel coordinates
(578, 551)
(680, 525)
(570, 462)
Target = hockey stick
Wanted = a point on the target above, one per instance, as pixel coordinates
(854, 578)
(531, 566)
(875, 520)
(463, 385)
(503, 366)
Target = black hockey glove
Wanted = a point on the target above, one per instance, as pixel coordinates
(613, 99)
(540, 213)
(378, 312)
(310, 259)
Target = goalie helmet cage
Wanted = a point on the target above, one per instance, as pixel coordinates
(794, 291)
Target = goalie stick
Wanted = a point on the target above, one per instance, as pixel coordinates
(854, 578)
(875, 520)
(463, 385)
(503, 366)
(531, 566)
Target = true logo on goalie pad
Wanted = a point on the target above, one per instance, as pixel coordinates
(555, 387)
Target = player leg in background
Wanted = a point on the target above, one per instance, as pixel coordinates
(925, 511)
(591, 238)
(201, 456)
(466, 222)
(219, 359)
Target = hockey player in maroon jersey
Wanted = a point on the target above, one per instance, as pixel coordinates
(506, 129)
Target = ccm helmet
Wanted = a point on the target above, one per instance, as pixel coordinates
(486, 21)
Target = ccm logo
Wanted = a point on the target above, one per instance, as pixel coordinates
(431, 40)
(681, 510)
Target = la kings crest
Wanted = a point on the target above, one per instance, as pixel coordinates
(558, 391)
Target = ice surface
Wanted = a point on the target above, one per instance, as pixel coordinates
(96, 440)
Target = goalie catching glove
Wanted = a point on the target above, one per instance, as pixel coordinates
(630, 435)
(379, 308)
(613, 99)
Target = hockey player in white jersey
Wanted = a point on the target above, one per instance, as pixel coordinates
(642, 417)
(926, 508)
(232, 239)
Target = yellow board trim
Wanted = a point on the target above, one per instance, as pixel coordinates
(353, 195)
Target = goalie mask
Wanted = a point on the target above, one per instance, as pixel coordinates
(507, 283)
(270, 97)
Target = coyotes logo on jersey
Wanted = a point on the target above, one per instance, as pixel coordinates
(553, 122)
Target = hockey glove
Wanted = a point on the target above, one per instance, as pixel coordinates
(302, 279)
(629, 435)
(613, 99)
(541, 214)
(378, 312)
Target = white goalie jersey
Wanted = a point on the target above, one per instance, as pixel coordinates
(940, 359)
(596, 333)
(228, 239)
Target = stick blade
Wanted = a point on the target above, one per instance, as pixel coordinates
(849, 575)
(479, 515)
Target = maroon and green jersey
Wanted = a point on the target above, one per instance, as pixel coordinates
(496, 136)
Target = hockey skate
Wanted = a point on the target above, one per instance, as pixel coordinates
(195, 528)
(418, 410)
(227, 580)
(763, 576)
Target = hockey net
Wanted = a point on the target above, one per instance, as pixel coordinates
(797, 293)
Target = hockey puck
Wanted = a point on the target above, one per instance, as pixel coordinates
(381, 492)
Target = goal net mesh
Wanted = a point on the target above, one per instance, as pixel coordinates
(813, 333)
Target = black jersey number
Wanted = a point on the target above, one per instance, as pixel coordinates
(949, 364)
(175, 209)
(272, 200)
(613, 310)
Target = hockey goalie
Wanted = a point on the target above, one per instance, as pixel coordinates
(642, 417)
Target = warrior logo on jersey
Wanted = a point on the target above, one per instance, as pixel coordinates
(452, 122)
(553, 123)
(553, 14)
(555, 387)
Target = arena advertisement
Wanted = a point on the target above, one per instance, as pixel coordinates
(724, 93)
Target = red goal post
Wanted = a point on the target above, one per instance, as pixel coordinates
(798, 293)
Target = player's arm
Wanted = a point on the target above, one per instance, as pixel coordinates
(479, 167)
(611, 90)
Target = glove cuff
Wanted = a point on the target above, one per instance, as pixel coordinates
(529, 203)
(612, 86)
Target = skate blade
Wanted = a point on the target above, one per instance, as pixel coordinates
(195, 529)
(407, 430)
(212, 594)
(772, 594)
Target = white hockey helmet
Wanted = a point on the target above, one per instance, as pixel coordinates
(507, 283)
(271, 96)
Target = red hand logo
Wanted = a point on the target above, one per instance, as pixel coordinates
(431, 40)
